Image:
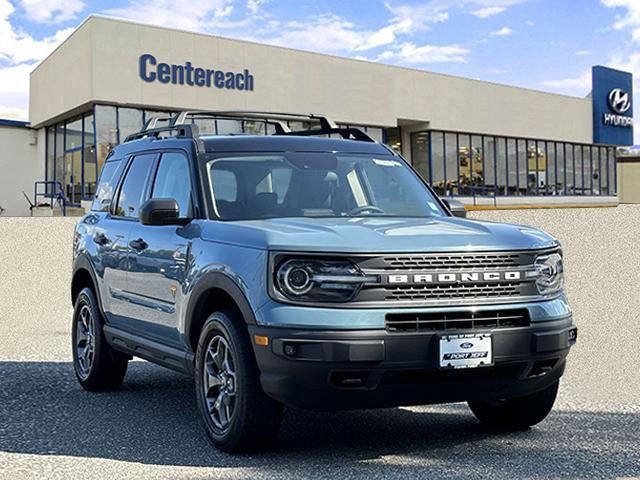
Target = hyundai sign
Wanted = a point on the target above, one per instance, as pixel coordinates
(612, 97)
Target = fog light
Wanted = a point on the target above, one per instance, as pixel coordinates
(290, 350)
(572, 337)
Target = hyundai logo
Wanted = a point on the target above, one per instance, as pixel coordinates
(466, 345)
(619, 100)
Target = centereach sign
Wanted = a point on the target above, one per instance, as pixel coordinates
(150, 70)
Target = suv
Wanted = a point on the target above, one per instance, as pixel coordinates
(301, 269)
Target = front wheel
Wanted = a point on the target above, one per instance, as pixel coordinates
(238, 416)
(98, 367)
(516, 413)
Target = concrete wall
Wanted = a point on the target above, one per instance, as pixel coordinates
(21, 163)
(602, 272)
(99, 62)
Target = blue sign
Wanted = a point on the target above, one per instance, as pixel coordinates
(612, 98)
(150, 70)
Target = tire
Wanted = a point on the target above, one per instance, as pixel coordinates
(516, 413)
(98, 367)
(237, 415)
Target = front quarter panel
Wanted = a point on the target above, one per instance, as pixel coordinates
(239, 270)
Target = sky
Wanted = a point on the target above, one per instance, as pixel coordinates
(547, 45)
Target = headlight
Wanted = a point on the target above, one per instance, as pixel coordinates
(550, 274)
(320, 280)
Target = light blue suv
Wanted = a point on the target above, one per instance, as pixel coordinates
(300, 269)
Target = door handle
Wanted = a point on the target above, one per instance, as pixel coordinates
(138, 245)
(101, 239)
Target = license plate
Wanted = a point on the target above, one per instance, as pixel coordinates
(466, 351)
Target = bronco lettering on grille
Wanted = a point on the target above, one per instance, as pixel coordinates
(456, 277)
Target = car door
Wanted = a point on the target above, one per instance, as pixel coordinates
(132, 192)
(110, 238)
(160, 253)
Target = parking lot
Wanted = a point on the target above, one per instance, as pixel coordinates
(51, 428)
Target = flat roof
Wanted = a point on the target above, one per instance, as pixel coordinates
(5, 122)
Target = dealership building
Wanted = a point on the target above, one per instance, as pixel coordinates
(469, 138)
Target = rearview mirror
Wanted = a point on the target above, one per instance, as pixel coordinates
(161, 211)
(456, 208)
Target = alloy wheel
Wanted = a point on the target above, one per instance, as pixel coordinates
(85, 341)
(219, 382)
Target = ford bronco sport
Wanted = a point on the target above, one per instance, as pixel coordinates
(298, 268)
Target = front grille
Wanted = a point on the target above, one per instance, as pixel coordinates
(437, 278)
(441, 321)
(470, 291)
(452, 261)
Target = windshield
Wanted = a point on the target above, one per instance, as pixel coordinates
(300, 184)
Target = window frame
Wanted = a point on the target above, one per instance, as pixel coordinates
(145, 191)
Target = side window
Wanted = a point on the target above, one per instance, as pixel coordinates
(225, 186)
(173, 180)
(106, 187)
(133, 187)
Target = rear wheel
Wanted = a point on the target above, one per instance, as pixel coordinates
(98, 367)
(238, 416)
(516, 413)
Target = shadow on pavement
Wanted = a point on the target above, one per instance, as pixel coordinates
(153, 420)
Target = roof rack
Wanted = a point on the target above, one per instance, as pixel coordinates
(180, 123)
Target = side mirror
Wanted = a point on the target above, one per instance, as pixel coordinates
(161, 211)
(456, 208)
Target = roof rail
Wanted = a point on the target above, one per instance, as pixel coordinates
(180, 124)
(183, 131)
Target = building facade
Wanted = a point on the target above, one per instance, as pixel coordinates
(466, 137)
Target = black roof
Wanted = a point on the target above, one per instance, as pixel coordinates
(283, 143)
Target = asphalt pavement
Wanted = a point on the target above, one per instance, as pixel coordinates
(51, 428)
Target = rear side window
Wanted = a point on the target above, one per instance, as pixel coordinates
(174, 181)
(133, 187)
(106, 186)
(225, 185)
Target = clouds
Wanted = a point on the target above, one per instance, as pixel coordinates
(195, 15)
(19, 53)
(503, 32)
(411, 54)
(630, 19)
(487, 12)
(52, 11)
(579, 85)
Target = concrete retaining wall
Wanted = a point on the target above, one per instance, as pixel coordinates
(602, 261)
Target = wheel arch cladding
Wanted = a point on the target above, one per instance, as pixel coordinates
(214, 292)
(82, 277)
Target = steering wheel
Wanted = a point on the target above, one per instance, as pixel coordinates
(366, 208)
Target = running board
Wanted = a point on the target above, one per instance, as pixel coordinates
(154, 352)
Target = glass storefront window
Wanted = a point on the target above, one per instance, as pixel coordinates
(106, 132)
(420, 153)
(489, 152)
(512, 166)
(375, 133)
(59, 169)
(229, 127)
(501, 166)
(254, 127)
(129, 121)
(89, 157)
(450, 168)
(50, 173)
(73, 135)
(437, 163)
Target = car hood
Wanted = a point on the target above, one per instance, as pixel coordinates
(376, 235)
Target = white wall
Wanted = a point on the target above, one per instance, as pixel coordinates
(21, 165)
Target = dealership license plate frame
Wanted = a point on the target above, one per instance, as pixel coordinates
(482, 343)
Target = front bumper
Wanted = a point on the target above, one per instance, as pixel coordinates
(351, 369)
